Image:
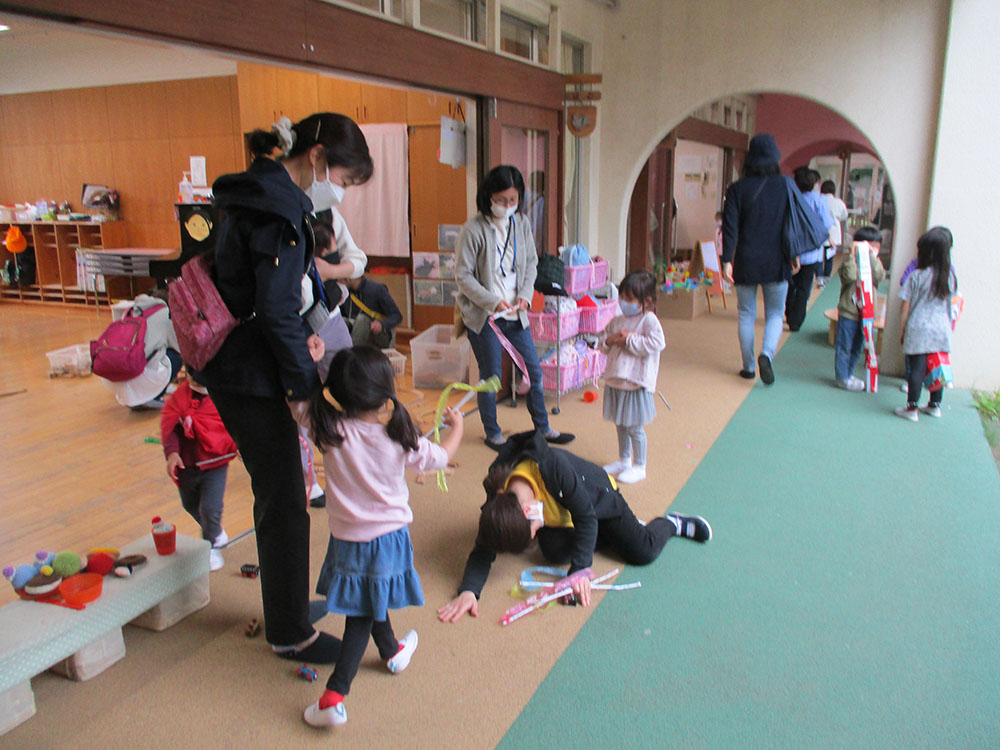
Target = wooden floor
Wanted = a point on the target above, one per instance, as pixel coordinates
(75, 471)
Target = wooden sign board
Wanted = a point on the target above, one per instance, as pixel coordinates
(705, 259)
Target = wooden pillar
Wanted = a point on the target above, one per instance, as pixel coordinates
(638, 228)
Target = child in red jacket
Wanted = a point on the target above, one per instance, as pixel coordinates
(198, 450)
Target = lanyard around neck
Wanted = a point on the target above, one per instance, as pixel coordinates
(502, 252)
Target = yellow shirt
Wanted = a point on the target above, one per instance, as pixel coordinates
(553, 514)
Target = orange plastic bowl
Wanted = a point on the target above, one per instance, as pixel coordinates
(81, 588)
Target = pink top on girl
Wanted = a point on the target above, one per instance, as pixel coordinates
(637, 364)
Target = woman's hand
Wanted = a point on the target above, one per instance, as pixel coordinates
(581, 590)
(316, 347)
(796, 265)
(727, 273)
(174, 463)
(375, 327)
(503, 307)
(523, 305)
(467, 602)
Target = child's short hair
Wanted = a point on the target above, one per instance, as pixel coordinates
(867, 234)
(828, 187)
(502, 525)
(640, 285)
(805, 180)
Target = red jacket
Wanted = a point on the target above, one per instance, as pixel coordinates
(191, 427)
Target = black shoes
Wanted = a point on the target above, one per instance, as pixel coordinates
(748, 374)
(766, 373)
(691, 527)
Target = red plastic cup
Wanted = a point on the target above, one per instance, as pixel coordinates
(165, 541)
(589, 397)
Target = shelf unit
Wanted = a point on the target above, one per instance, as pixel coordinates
(54, 244)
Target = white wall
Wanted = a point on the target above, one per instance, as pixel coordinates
(38, 57)
(966, 166)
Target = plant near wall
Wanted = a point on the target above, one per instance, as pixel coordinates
(987, 404)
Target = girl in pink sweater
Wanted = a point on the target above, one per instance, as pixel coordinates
(369, 563)
(633, 344)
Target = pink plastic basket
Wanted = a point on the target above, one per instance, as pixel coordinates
(592, 366)
(569, 376)
(594, 319)
(545, 326)
(579, 279)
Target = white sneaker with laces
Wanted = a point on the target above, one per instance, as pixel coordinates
(618, 466)
(221, 539)
(904, 387)
(325, 717)
(402, 659)
(633, 474)
(931, 410)
(910, 414)
(215, 559)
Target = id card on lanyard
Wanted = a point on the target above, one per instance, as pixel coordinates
(502, 251)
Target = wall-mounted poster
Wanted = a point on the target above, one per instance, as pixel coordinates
(425, 266)
(446, 264)
(427, 293)
(449, 292)
(448, 236)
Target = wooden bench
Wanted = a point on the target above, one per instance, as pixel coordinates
(79, 644)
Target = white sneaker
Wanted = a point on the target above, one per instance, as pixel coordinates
(852, 384)
(215, 560)
(402, 659)
(931, 410)
(904, 388)
(221, 539)
(633, 474)
(910, 414)
(325, 717)
(618, 466)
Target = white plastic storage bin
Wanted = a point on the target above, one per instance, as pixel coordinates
(70, 361)
(397, 360)
(439, 359)
(93, 658)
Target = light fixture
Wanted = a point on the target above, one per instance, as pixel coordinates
(4, 27)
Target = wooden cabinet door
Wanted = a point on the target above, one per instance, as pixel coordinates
(424, 108)
(382, 104)
(258, 92)
(339, 95)
(297, 94)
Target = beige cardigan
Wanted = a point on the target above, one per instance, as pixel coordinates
(475, 266)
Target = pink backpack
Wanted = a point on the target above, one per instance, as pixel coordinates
(119, 354)
(201, 319)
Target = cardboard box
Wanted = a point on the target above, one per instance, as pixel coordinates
(94, 658)
(681, 304)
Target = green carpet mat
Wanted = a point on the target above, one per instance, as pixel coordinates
(848, 598)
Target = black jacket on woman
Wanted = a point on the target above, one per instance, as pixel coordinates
(264, 244)
(581, 487)
(753, 219)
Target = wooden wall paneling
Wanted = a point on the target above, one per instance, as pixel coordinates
(145, 182)
(29, 119)
(234, 102)
(34, 174)
(83, 162)
(297, 94)
(199, 106)
(423, 107)
(7, 186)
(339, 95)
(82, 114)
(218, 150)
(152, 234)
(258, 95)
(137, 111)
(382, 103)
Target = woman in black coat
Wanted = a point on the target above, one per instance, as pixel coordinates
(263, 248)
(571, 506)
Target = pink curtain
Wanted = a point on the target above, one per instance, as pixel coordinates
(377, 212)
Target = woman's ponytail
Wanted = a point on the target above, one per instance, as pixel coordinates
(401, 427)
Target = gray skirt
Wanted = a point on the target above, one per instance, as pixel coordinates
(628, 408)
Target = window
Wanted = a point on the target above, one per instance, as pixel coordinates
(392, 8)
(524, 39)
(464, 19)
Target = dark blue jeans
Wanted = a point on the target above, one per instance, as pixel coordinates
(847, 347)
(489, 353)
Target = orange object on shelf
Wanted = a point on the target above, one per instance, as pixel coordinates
(81, 588)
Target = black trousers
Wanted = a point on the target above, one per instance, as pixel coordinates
(634, 543)
(352, 648)
(916, 367)
(268, 440)
(799, 289)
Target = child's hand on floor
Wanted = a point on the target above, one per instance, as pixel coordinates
(173, 464)
(581, 590)
(464, 602)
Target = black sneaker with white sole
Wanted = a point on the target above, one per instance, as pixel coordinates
(765, 369)
(691, 527)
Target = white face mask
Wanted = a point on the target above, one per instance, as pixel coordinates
(535, 511)
(502, 212)
(324, 194)
(629, 308)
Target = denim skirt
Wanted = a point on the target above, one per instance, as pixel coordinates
(366, 579)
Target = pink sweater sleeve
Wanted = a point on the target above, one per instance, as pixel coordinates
(427, 457)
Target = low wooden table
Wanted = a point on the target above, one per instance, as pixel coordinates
(880, 306)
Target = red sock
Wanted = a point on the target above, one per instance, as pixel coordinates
(330, 698)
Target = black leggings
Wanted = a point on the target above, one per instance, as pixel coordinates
(635, 543)
(916, 365)
(356, 632)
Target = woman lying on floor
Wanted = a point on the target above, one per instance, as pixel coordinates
(571, 506)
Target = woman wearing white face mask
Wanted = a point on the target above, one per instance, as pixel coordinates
(495, 269)
(264, 245)
(570, 506)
